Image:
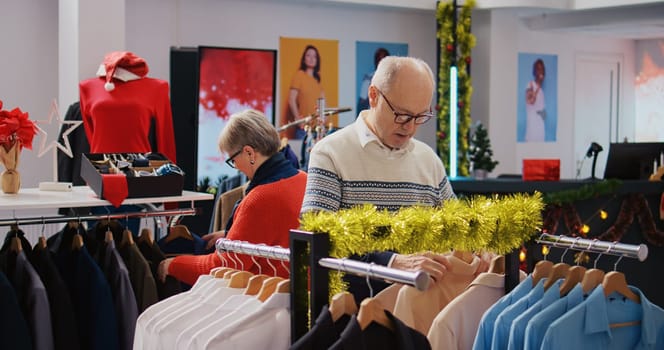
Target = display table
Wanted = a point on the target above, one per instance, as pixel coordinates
(81, 196)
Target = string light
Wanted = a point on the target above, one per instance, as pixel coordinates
(603, 214)
(585, 229)
(522, 255)
(545, 250)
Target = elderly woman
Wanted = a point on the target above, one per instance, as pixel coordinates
(272, 201)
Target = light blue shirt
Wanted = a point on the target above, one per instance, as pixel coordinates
(501, 330)
(518, 329)
(539, 324)
(587, 326)
(485, 328)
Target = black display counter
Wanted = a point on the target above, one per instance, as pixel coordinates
(643, 275)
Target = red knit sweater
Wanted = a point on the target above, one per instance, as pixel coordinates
(265, 215)
(118, 121)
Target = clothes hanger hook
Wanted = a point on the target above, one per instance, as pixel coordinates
(253, 259)
(369, 273)
(562, 256)
(281, 260)
(615, 265)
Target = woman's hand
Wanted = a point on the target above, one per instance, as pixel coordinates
(162, 270)
(211, 238)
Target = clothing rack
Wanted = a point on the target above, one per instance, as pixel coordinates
(417, 279)
(260, 250)
(310, 264)
(61, 219)
(639, 252)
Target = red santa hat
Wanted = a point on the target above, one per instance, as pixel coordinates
(125, 60)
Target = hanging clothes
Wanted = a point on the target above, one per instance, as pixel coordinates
(456, 325)
(14, 330)
(63, 321)
(589, 325)
(154, 256)
(142, 281)
(32, 299)
(376, 336)
(91, 296)
(539, 324)
(324, 332)
(484, 334)
(417, 309)
(124, 301)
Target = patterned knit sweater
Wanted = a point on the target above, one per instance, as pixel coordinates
(265, 215)
(352, 167)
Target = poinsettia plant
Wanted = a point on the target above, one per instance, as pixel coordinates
(16, 126)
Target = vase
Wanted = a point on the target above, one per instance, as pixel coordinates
(480, 174)
(9, 157)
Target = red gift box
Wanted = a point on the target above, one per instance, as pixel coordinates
(541, 169)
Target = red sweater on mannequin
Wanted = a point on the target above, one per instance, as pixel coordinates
(265, 215)
(118, 121)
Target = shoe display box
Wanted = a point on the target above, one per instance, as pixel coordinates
(94, 166)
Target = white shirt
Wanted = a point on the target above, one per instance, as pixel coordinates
(266, 328)
(152, 313)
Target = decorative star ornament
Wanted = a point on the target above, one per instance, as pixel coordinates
(66, 147)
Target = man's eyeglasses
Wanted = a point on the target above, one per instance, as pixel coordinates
(403, 118)
(230, 161)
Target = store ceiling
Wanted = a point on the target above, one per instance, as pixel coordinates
(627, 19)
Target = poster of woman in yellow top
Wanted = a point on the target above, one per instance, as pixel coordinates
(309, 72)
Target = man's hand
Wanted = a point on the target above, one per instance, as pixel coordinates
(434, 264)
(162, 270)
(211, 238)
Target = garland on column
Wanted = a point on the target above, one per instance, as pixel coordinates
(465, 41)
(498, 225)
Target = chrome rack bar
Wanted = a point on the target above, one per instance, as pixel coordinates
(261, 250)
(60, 219)
(418, 279)
(596, 246)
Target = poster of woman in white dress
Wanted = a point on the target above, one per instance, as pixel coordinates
(537, 99)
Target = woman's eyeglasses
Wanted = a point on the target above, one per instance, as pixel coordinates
(230, 161)
(403, 118)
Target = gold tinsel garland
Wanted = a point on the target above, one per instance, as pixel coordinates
(454, 50)
(476, 224)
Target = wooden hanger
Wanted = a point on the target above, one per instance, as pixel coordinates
(615, 281)
(108, 236)
(466, 257)
(342, 304)
(179, 231)
(77, 241)
(41, 243)
(268, 288)
(127, 238)
(542, 269)
(283, 286)
(591, 279)
(371, 310)
(255, 283)
(239, 279)
(15, 245)
(497, 265)
(222, 271)
(574, 277)
(558, 271)
(146, 236)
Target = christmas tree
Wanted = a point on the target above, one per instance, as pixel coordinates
(480, 150)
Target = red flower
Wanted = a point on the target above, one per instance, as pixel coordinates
(468, 59)
(450, 47)
(15, 125)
